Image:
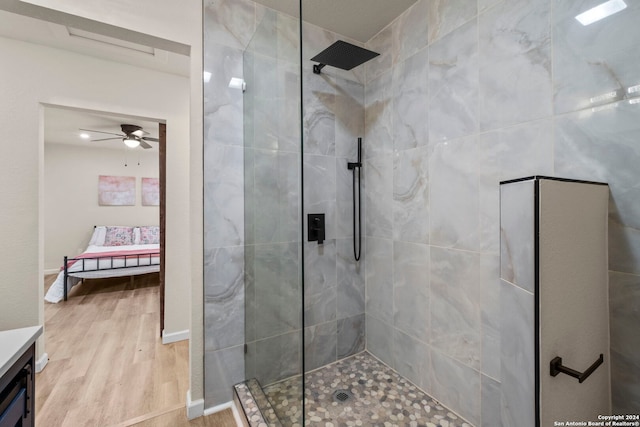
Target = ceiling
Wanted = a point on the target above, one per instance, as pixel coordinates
(62, 126)
(356, 19)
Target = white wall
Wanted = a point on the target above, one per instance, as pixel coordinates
(71, 195)
(176, 21)
(37, 75)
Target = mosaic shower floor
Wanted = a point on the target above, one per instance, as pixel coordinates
(380, 397)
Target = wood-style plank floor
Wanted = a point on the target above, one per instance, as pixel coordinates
(107, 364)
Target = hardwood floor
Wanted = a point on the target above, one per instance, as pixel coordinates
(107, 363)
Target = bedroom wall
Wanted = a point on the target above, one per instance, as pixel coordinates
(36, 75)
(71, 196)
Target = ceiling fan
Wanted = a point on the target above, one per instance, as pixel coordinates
(132, 136)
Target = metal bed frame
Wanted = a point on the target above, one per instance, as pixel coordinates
(90, 273)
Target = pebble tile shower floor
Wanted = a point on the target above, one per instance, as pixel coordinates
(381, 397)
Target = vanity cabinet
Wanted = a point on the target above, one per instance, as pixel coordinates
(17, 392)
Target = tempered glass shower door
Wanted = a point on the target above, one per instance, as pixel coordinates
(273, 279)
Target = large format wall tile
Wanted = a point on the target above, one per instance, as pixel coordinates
(320, 344)
(518, 356)
(319, 108)
(351, 277)
(412, 359)
(490, 314)
(229, 22)
(381, 43)
(378, 113)
(379, 196)
(379, 279)
(223, 369)
(380, 339)
(224, 309)
(320, 190)
(453, 194)
(278, 358)
(515, 63)
(455, 304)
(411, 289)
(351, 335)
(447, 15)
(410, 31)
(490, 395)
(592, 61)
(453, 84)
(624, 310)
(411, 196)
(456, 385)
(349, 117)
(509, 153)
(410, 114)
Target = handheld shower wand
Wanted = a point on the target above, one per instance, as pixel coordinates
(352, 166)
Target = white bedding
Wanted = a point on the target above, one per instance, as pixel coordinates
(104, 268)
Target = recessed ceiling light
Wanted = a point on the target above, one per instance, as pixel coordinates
(85, 136)
(601, 11)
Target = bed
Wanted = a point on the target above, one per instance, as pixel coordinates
(114, 251)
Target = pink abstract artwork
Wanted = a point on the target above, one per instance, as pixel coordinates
(150, 192)
(116, 190)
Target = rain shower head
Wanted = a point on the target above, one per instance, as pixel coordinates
(342, 55)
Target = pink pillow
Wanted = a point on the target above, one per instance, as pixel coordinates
(149, 235)
(118, 236)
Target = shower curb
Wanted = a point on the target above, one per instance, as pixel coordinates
(246, 396)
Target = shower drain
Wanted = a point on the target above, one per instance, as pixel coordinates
(341, 396)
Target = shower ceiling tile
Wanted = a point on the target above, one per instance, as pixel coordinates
(357, 19)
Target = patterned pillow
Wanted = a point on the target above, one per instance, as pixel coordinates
(118, 236)
(149, 235)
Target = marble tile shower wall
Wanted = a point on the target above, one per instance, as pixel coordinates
(333, 119)
(466, 94)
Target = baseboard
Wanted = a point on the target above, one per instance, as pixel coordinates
(218, 408)
(52, 271)
(42, 362)
(194, 409)
(168, 338)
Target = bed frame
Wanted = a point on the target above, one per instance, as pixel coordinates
(131, 267)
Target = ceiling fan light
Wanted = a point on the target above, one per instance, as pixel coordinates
(131, 141)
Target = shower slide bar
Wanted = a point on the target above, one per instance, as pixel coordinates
(557, 367)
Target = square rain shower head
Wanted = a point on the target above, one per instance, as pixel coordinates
(342, 55)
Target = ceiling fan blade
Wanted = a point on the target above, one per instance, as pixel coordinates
(144, 144)
(148, 138)
(104, 139)
(108, 133)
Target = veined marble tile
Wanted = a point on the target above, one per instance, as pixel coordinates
(250, 303)
(410, 31)
(412, 359)
(490, 400)
(320, 307)
(379, 279)
(447, 15)
(265, 38)
(455, 305)
(320, 191)
(349, 117)
(378, 116)
(381, 43)
(453, 84)
(380, 339)
(351, 336)
(288, 39)
(264, 93)
(378, 196)
(278, 357)
(410, 114)
(518, 356)
(319, 266)
(223, 200)
(411, 196)
(517, 236)
(222, 369)
(224, 298)
(345, 194)
(456, 385)
(509, 153)
(490, 314)
(277, 289)
(319, 110)
(223, 106)
(515, 63)
(625, 389)
(351, 274)
(602, 146)
(411, 289)
(594, 60)
(229, 22)
(454, 194)
(320, 344)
